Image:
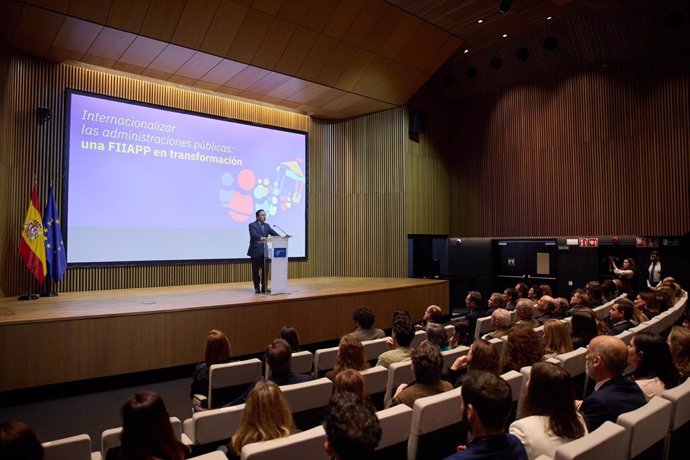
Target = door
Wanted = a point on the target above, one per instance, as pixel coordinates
(526, 261)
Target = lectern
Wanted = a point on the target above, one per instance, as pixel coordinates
(276, 251)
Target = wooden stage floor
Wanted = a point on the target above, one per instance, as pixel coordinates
(85, 335)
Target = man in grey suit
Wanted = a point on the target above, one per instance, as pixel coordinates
(258, 231)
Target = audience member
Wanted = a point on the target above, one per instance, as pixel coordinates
(620, 316)
(534, 293)
(496, 300)
(549, 415)
(402, 335)
(364, 318)
(474, 303)
(481, 357)
(19, 442)
(524, 313)
(648, 303)
(679, 343)
(523, 348)
(593, 290)
(654, 276)
(562, 307)
(436, 334)
(609, 290)
(350, 356)
(547, 307)
(404, 313)
(626, 274)
(266, 416)
(146, 431)
(461, 335)
(606, 359)
(580, 299)
(217, 352)
(584, 328)
(486, 404)
(546, 289)
(556, 338)
(510, 295)
(352, 428)
(500, 321)
(432, 314)
(654, 370)
(290, 335)
(522, 290)
(352, 381)
(427, 367)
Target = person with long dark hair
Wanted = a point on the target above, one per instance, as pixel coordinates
(523, 348)
(147, 432)
(626, 274)
(653, 362)
(550, 418)
(217, 352)
(290, 335)
(19, 442)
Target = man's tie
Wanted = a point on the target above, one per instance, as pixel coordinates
(651, 272)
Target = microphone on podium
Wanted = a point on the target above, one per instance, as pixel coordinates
(279, 228)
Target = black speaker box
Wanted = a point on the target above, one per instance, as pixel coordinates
(418, 122)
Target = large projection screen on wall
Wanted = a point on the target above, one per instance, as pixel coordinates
(149, 184)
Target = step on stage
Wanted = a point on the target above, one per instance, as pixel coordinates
(86, 335)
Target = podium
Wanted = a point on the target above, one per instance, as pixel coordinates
(276, 251)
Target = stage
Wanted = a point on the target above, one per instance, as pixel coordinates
(86, 335)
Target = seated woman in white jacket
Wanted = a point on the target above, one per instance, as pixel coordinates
(549, 415)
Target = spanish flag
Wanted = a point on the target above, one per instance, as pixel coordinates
(32, 242)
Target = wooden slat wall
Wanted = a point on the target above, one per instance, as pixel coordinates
(356, 173)
(603, 151)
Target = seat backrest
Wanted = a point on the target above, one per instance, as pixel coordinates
(395, 430)
(514, 380)
(307, 445)
(373, 348)
(72, 448)
(573, 361)
(525, 371)
(449, 356)
(307, 401)
(398, 373)
(680, 404)
(324, 360)
(437, 427)
(609, 441)
(483, 326)
(228, 381)
(626, 336)
(301, 362)
(215, 455)
(655, 326)
(376, 378)
(214, 425)
(111, 437)
(499, 345)
(450, 330)
(419, 337)
(647, 427)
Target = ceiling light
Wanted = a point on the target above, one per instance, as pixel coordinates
(466, 51)
(505, 35)
(480, 21)
(548, 18)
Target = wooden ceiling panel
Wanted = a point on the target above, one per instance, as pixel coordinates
(319, 13)
(400, 35)
(10, 18)
(224, 71)
(229, 90)
(98, 61)
(157, 74)
(367, 19)
(250, 35)
(223, 29)
(206, 85)
(162, 18)
(142, 52)
(271, 81)
(90, 10)
(358, 65)
(127, 15)
(61, 54)
(195, 20)
(294, 10)
(316, 59)
(246, 77)
(308, 92)
(37, 28)
(370, 77)
(427, 39)
(182, 80)
(171, 58)
(77, 35)
(111, 44)
(288, 88)
(445, 51)
(273, 46)
(336, 64)
(55, 5)
(383, 29)
(343, 17)
(198, 65)
(297, 50)
(268, 6)
(129, 68)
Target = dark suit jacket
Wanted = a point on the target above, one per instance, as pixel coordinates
(620, 327)
(615, 397)
(256, 247)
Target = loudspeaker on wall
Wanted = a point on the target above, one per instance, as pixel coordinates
(417, 122)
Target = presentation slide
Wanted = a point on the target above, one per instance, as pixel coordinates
(151, 184)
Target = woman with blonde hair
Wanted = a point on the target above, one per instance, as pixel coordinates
(679, 342)
(217, 352)
(350, 356)
(266, 416)
(556, 338)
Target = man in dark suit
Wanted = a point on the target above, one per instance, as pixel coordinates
(620, 316)
(606, 359)
(258, 231)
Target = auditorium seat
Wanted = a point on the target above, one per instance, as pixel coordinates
(655, 325)
(540, 331)
(514, 380)
(374, 348)
(647, 428)
(482, 326)
(395, 431)
(307, 401)
(626, 336)
(449, 356)
(397, 373)
(608, 442)
(419, 337)
(376, 378)
(324, 360)
(229, 381)
(72, 448)
(213, 427)
(574, 363)
(499, 344)
(678, 443)
(525, 371)
(215, 455)
(307, 445)
(301, 362)
(111, 438)
(437, 426)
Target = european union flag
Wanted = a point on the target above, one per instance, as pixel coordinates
(55, 248)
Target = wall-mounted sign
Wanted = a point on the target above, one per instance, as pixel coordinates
(646, 242)
(511, 262)
(589, 242)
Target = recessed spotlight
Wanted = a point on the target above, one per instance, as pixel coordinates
(466, 51)
(505, 35)
(480, 21)
(548, 18)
